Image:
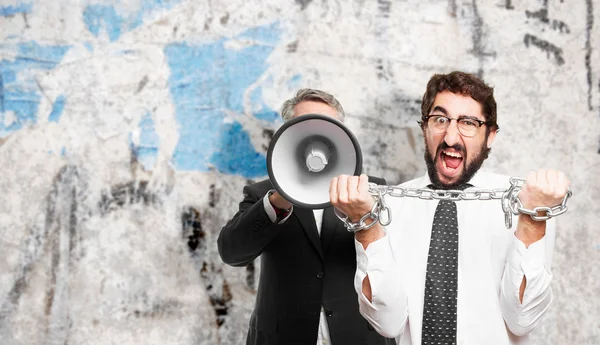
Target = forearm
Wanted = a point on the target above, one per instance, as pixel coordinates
(366, 237)
(530, 231)
(246, 235)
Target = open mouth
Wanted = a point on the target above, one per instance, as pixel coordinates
(451, 162)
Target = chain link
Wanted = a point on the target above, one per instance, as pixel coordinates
(511, 205)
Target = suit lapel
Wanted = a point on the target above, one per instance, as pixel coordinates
(330, 226)
(306, 218)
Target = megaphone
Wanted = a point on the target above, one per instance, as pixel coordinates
(304, 155)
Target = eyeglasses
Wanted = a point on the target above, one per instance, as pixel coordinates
(467, 126)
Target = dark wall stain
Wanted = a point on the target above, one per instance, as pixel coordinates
(384, 7)
(303, 3)
(191, 223)
(268, 134)
(478, 41)
(476, 36)
(225, 19)
(379, 148)
(560, 26)
(292, 47)
(382, 64)
(589, 24)
(207, 23)
(27, 21)
(219, 300)
(49, 298)
(157, 310)
(219, 293)
(12, 298)
(542, 16)
(60, 225)
(546, 46)
(214, 196)
(61, 205)
(127, 193)
(508, 5)
(400, 104)
(62, 218)
(452, 8)
(142, 83)
(383, 72)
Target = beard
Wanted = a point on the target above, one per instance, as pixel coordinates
(470, 168)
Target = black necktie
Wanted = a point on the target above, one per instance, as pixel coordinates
(441, 280)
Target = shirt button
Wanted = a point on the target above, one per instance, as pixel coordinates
(328, 313)
(320, 275)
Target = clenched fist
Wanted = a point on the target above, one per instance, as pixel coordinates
(350, 195)
(544, 188)
(541, 188)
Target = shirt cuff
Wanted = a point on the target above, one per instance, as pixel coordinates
(270, 210)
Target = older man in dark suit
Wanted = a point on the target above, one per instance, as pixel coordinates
(308, 259)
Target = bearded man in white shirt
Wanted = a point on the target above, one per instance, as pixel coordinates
(454, 274)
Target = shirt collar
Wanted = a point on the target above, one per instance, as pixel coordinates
(477, 181)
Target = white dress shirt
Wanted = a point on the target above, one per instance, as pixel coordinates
(323, 337)
(491, 265)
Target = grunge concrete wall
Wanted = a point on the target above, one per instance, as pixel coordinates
(128, 128)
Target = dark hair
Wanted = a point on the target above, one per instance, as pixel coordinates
(465, 84)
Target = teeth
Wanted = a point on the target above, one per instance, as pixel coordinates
(453, 154)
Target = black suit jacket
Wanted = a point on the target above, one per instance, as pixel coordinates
(300, 272)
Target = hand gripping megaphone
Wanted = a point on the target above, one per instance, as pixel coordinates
(307, 152)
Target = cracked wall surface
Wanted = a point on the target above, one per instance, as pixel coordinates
(129, 127)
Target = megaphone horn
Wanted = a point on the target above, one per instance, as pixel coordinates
(304, 155)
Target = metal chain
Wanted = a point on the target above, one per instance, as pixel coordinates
(511, 205)
(360, 225)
